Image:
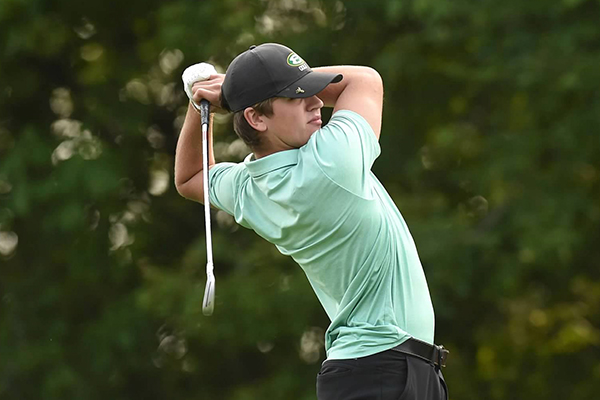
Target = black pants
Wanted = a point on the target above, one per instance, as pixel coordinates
(389, 375)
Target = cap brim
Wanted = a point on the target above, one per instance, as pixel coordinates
(310, 84)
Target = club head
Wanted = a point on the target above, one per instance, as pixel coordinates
(208, 304)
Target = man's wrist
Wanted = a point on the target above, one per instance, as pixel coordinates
(193, 105)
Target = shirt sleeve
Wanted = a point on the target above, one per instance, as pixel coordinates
(345, 150)
(224, 183)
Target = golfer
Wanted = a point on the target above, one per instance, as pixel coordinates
(309, 190)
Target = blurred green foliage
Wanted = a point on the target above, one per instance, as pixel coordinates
(491, 149)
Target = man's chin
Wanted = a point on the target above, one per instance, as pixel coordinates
(314, 129)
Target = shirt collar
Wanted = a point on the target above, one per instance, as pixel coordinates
(271, 162)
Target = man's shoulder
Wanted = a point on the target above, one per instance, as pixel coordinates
(228, 166)
(344, 151)
(347, 134)
(229, 170)
(345, 129)
(352, 117)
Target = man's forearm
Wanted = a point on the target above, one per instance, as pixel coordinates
(353, 76)
(360, 91)
(188, 156)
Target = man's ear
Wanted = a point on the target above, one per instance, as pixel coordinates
(255, 119)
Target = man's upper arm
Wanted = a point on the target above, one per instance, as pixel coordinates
(225, 179)
(364, 96)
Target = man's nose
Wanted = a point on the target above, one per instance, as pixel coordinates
(314, 102)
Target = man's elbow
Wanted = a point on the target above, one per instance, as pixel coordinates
(372, 73)
(186, 191)
(374, 78)
(180, 187)
(180, 183)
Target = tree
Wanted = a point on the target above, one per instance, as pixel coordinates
(490, 149)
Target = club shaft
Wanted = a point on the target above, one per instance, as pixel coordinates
(204, 107)
(208, 303)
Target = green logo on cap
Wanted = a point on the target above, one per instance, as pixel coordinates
(294, 60)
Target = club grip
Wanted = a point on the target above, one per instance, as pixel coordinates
(204, 111)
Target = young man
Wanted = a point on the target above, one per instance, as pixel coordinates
(310, 191)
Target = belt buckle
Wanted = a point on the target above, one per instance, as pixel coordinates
(442, 355)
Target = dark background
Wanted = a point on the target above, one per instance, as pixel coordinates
(491, 150)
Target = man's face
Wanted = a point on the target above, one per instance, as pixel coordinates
(294, 120)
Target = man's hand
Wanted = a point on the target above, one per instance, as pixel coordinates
(202, 81)
(210, 90)
(195, 73)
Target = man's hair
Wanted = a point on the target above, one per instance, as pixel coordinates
(242, 128)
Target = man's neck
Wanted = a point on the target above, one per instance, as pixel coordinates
(270, 145)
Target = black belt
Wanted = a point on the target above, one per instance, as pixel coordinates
(429, 352)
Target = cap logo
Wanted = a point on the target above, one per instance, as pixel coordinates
(294, 60)
(299, 90)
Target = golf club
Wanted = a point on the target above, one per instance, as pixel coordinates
(208, 304)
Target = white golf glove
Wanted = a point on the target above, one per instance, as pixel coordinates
(195, 73)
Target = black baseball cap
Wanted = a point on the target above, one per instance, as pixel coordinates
(270, 70)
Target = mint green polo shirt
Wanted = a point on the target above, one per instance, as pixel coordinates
(322, 206)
